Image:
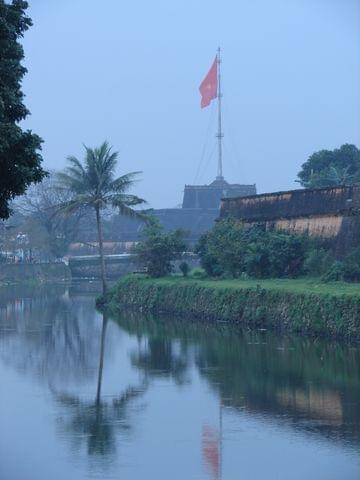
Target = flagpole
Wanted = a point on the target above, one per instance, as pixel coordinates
(220, 133)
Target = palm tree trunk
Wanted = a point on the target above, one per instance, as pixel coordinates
(101, 249)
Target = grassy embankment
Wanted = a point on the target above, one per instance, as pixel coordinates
(302, 285)
(302, 305)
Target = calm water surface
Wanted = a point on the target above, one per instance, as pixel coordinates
(134, 397)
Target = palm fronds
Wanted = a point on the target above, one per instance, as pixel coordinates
(93, 182)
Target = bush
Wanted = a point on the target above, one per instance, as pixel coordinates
(230, 249)
(335, 272)
(348, 269)
(318, 262)
(184, 268)
(286, 254)
(351, 266)
(159, 249)
(198, 272)
(216, 249)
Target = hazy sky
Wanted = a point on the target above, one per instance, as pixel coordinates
(129, 72)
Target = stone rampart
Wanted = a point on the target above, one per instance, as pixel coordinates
(332, 214)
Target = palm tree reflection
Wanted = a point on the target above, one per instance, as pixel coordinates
(101, 360)
(97, 420)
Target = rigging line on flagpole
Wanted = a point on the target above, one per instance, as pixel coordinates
(206, 165)
(205, 144)
(237, 155)
(230, 156)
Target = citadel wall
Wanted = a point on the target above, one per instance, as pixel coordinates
(332, 214)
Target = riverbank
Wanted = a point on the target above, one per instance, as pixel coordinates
(304, 306)
(33, 273)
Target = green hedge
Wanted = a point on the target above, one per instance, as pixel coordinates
(308, 313)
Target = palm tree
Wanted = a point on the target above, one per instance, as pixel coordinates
(339, 175)
(93, 184)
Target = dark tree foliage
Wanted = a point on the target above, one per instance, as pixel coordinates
(351, 266)
(231, 249)
(159, 249)
(221, 249)
(184, 268)
(318, 262)
(328, 168)
(20, 160)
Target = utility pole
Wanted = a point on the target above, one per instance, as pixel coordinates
(219, 134)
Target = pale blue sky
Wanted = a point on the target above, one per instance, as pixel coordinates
(129, 72)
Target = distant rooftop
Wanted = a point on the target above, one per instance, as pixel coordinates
(209, 196)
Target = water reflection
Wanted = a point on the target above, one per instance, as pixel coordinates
(162, 358)
(56, 339)
(144, 397)
(96, 420)
(43, 333)
(313, 386)
(101, 360)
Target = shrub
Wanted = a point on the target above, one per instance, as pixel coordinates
(198, 272)
(208, 260)
(335, 272)
(231, 249)
(351, 266)
(159, 249)
(184, 268)
(286, 254)
(226, 248)
(318, 262)
(348, 269)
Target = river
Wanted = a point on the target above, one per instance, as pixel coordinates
(84, 396)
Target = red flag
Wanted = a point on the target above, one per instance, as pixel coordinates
(208, 87)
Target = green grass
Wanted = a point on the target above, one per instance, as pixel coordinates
(301, 285)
